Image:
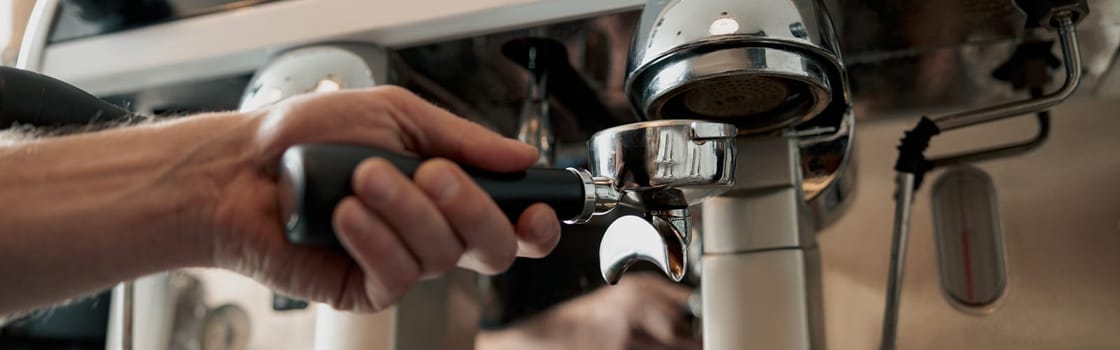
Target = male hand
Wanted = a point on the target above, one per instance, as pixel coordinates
(396, 230)
(643, 311)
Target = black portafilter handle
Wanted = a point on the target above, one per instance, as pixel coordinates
(314, 178)
(28, 97)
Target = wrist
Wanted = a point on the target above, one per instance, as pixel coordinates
(181, 170)
(221, 158)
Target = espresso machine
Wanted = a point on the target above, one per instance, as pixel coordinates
(772, 69)
(729, 93)
(719, 127)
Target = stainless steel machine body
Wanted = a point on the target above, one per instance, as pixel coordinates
(761, 282)
(659, 168)
(765, 66)
(761, 65)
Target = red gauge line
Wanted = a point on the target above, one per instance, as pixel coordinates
(965, 240)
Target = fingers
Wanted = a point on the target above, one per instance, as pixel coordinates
(660, 287)
(388, 266)
(393, 118)
(645, 342)
(487, 235)
(410, 214)
(444, 214)
(687, 344)
(675, 293)
(661, 321)
(664, 317)
(538, 231)
(436, 132)
(400, 230)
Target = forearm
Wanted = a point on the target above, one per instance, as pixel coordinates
(80, 213)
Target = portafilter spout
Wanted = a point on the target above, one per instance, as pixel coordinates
(660, 238)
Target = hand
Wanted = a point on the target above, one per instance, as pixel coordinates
(643, 311)
(398, 230)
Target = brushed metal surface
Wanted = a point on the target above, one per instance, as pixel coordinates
(1059, 210)
(760, 287)
(764, 221)
(737, 288)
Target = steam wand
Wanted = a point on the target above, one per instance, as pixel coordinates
(912, 164)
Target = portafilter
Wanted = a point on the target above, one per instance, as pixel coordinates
(659, 167)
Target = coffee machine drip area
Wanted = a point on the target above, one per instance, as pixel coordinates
(710, 144)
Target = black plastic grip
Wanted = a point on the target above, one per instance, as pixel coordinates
(314, 178)
(31, 98)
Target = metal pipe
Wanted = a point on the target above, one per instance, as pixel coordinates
(1001, 151)
(128, 300)
(535, 124)
(35, 35)
(905, 181)
(904, 188)
(1067, 35)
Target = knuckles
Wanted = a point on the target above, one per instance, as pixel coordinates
(403, 280)
(498, 259)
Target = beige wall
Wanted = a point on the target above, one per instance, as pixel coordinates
(1060, 210)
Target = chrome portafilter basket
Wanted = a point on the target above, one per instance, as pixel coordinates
(662, 168)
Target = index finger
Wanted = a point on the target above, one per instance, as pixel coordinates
(432, 131)
(675, 292)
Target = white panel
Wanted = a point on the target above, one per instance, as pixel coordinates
(764, 220)
(756, 301)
